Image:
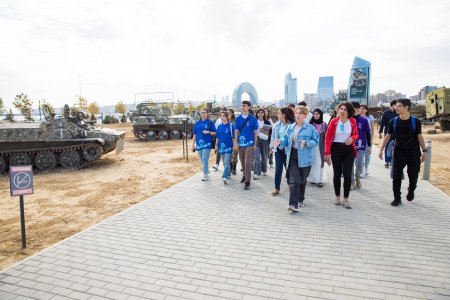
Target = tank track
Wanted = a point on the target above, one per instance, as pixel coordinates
(88, 153)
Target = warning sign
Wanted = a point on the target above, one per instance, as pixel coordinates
(21, 180)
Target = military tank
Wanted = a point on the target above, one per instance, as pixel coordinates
(71, 142)
(158, 122)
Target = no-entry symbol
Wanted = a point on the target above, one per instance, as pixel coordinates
(21, 180)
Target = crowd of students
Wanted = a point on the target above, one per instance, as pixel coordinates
(302, 142)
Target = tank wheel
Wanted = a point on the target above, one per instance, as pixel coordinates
(92, 153)
(445, 125)
(189, 134)
(163, 135)
(175, 134)
(2, 165)
(150, 135)
(45, 161)
(70, 159)
(20, 159)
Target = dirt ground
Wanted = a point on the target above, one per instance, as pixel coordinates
(440, 158)
(67, 202)
(115, 183)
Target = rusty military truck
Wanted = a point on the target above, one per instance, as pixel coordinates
(437, 104)
(71, 142)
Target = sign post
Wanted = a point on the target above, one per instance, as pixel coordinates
(21, 183)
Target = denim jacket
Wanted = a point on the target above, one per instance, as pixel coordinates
(307, 133)
(276, 134)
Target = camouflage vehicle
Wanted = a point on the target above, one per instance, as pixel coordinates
(157, 121)
(438, 107)
(64, 143)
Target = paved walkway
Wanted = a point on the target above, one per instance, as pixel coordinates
(201, 240)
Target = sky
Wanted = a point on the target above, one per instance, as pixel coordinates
(112, 50)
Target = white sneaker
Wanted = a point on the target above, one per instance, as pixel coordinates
(225, 181)
(215, 167)
(292, 208)
(205, 178)
(367, 173)
(256, 176)
(264, 174)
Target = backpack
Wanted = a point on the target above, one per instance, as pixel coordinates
(391, 147)
(413, 123)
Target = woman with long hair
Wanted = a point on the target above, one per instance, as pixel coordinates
(224, 144)
(204, 130)
(340, 149)
(235, 153)
(285, 117)
(316, 176)
(262, 145)
(301, 138)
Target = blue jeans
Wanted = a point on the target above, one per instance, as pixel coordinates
(260, 157)
(204, 158)
(226, 157)
(280, 163)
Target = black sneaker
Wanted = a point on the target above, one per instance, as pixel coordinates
(247, 186)
(410, 195)
(243, 179)
(396, 202)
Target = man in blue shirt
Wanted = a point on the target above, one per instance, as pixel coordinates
(363, 139)
(245, 139)
(386, 117)
(204, 130)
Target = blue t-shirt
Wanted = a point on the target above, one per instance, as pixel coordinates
(246, 136)
(225, 136)
(203, 141)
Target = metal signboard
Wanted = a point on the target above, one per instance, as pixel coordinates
(21, 180)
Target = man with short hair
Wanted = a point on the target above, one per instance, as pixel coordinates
(386, 117)
(245, 140)
(363, 137)
(406, 131)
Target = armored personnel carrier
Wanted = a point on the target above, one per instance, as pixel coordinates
(157, 121)
(71, 142)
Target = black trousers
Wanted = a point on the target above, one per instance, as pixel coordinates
(297, 179)
(401, 160)
(342, 157)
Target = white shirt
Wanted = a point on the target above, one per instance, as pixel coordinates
(308, 117)
(343, 131)
(295, 135)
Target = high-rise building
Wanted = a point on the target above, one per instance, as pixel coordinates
(310, 99)
(325, 92)
(290, 89)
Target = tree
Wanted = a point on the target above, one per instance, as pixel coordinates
(201, 106)
(2, 107)
(9, 116)
(82, 104)
(93, 108)
(179, 108)
(24, 104)
(121, 108)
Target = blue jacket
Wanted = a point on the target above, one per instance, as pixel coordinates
(307, 133)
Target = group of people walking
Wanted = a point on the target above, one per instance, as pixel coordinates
(302, 142)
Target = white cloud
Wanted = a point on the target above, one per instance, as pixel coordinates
(201, 48)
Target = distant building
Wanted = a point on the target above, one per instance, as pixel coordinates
(244, 87)
(325, 92)
(290, 89)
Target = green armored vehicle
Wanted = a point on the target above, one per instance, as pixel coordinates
(438, 107)
(157, 121)
(71, 142)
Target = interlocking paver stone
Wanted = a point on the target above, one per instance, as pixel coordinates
(206, 240)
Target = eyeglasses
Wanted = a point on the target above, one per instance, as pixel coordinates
(243, 104)
(341, 128)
